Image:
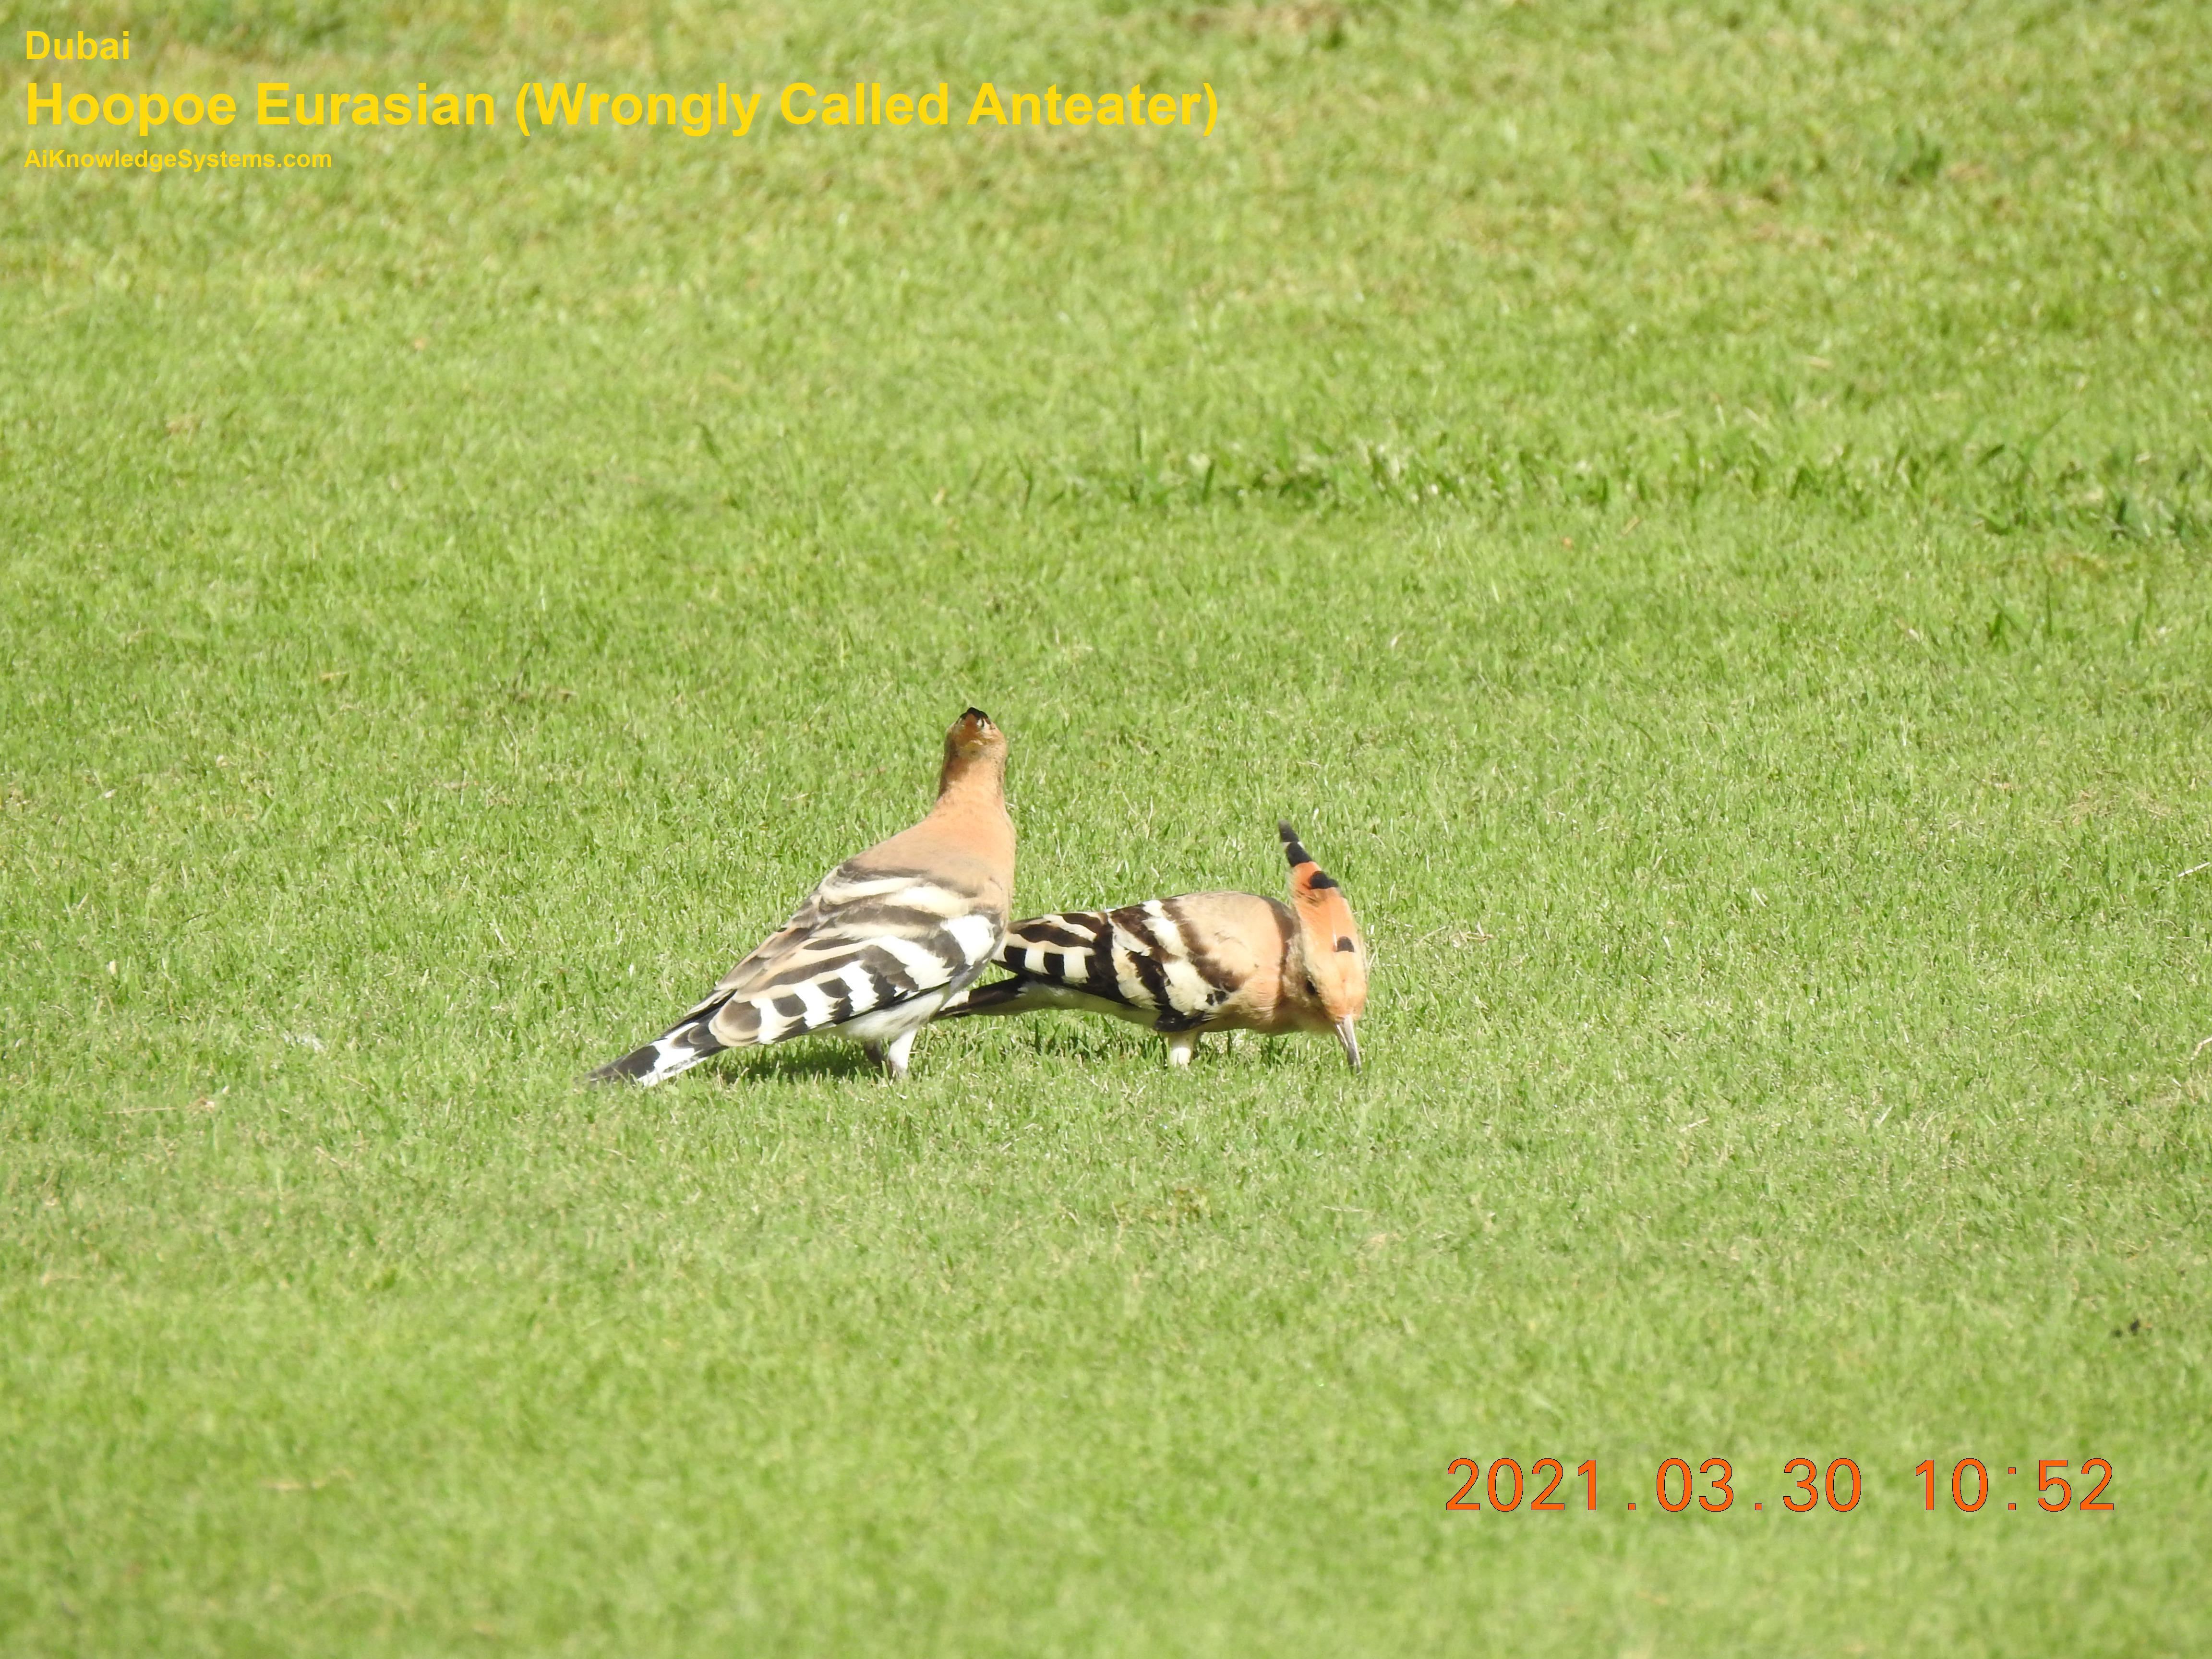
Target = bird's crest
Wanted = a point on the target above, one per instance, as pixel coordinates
(1336, 955)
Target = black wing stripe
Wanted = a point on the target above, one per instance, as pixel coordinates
(1145, 962)
(1078, 933)
(1101, 976)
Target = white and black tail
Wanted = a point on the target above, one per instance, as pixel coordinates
(678, 1048)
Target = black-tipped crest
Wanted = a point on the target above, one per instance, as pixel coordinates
(1294, 850)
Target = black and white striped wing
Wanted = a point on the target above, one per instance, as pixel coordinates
(1140, 956)
(865, 941)
(890, 944)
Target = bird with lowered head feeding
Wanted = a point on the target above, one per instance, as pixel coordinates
(1201, 961)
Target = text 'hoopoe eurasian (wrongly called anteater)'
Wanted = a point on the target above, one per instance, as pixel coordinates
(1205, 962)
(877, 949)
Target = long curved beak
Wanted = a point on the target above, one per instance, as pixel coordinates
(1350, 1040)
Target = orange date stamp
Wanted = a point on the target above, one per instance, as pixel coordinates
(1502, 1486)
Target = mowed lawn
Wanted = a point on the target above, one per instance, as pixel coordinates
(1702, 516)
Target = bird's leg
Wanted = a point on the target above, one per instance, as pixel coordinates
(1180, 1046)
(891, 1056)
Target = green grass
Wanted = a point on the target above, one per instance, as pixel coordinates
(1704, 516)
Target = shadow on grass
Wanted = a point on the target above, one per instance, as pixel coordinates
(1073, 1041)
(740, 1067)
(794, 1063)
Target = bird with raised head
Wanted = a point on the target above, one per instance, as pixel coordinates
(877, 949)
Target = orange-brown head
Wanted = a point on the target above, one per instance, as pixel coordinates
(975, 750)
(1336, 957)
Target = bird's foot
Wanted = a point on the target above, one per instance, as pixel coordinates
(891, 1056)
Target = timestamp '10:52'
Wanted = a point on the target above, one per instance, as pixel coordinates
(1971, 1474)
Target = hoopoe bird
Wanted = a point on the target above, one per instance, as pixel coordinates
(1205, 962)
(879, 946)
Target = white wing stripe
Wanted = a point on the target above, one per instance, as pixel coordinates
(862, 985)
(1172, 948)
(923, 965)
(814, 1004)
(904, 892)
(1126, 981)
(1187, 988)
(974, 935)
(837, 889)
(937, 901)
